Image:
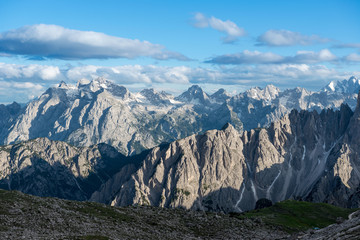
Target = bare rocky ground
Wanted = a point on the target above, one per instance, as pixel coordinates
(29, 217)
(349, 229)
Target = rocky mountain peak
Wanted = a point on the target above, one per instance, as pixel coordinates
(194, 95)
(220, 95)
(351, 85)
(62, 84)
(13, 108)
(82, 82)
(228, 127)
(103, 84)
(155, 97)
(268, 93)
(99, 83)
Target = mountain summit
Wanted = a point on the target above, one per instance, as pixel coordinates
(194, 95)
(349, 86)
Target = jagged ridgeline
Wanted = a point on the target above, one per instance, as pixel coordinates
(103, 112)
(53, 168)
(310, 155)
(306, 155)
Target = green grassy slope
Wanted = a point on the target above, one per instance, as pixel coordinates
(294, 216)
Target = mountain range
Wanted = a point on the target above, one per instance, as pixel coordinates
(306, 155)
(100, 111)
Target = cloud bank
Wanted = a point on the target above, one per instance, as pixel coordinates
(232, 31)
(30, 72)
(53, 41)
(347, 45)
(279, 38)
(256, 57)
(21, 82)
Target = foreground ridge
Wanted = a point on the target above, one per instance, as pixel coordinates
(59, 219)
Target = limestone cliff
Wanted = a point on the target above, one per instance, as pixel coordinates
(305, 155)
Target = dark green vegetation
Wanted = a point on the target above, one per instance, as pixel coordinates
(294, 216)
(263, 203)
(30, 217)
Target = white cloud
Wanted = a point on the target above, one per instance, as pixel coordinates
(247, 57)
(288, 38)
(19, 91)
(52, 41)
(353, 57)
(256, 57)
(33, 71)
(232, 31)
(27, 85)
(347, 45)
(323, 55)
(132, 74)
(17, 82)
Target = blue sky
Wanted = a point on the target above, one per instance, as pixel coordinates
(170, 45)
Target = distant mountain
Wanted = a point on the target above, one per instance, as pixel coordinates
(194, 95)
(345, 86)
(100, 111)
(220, 96)
(156, 98)
(305, 155)
(8, 114)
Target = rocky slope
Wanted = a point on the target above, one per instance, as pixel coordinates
(100, 111)
(28, 217)
(350, 229)
(53, 168)
(305, 155)
(8, 114)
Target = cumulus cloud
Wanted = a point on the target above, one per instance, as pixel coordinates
(33, 71)
(323, 55)
(256, 57)
(278, 38)
(353, 57)
(52, 41)
(232, 31)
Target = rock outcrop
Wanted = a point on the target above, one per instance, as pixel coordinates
(52, 168)
(306, 155)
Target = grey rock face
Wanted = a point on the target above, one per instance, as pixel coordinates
(305, 155)
(194, 95)
(53, 168)
(345, 86)
(8, 114)
(220, 96)
(100, 111)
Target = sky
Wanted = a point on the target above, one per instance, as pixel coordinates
(171, 45)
